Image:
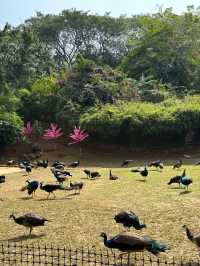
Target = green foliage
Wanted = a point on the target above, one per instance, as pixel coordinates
(166, 47)
(10, 128)
(74, 32)
(133, 123)
(45, 86)
(124, 78)
(40, 101)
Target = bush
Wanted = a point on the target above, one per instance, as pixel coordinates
(144, 123)
(10, 128)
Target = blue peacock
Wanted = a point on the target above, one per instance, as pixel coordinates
(31, 187)
(133, 243)
(129, 219)
(184, 180)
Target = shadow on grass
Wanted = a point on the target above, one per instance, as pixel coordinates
(95, 178)
(184, 192)
(141, 180)
(52, 199)
(175, 188)
(72, 194)
(24, 238)
(26, 198)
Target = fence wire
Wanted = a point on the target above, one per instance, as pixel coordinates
(20, 254)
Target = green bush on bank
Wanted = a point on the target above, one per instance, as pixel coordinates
(10, 128)
(137, 122)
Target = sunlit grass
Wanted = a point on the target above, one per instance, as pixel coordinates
(79, 219)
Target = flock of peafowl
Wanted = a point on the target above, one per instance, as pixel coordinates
(125, 241)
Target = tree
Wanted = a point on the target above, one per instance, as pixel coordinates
(166, 47)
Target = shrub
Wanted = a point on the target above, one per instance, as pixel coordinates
(139, 123)
(10, 128)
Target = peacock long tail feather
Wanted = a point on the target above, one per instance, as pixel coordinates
(189, 234)
(62, 187)
(156, 247)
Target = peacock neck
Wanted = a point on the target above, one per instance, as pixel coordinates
(105, 240)
(142, 226)
(14, 217)
(189, 234)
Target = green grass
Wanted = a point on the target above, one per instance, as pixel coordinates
(78, 220)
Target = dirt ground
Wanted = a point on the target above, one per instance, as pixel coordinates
(9, 170)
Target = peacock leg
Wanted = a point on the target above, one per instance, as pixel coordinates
(30, 230)
(48, 195)
(54, 194)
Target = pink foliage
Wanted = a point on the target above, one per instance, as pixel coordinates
(27, 130)
(53, 132)
(77, 135)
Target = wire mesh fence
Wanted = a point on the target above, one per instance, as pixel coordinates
(20, 254)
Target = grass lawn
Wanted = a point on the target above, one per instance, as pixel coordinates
(79, 219)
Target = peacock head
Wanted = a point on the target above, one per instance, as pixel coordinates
(184, 226)
(143, 226)
(12, 215)
(103, 235)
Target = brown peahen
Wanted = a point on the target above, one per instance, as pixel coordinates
(29, 220)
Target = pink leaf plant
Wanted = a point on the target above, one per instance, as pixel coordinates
(77, 135)
(53, 132)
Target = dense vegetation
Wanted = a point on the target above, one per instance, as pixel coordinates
(125, 79)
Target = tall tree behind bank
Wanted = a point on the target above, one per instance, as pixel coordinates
(166, 46)
(102, 38)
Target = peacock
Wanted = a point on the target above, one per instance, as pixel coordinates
(129, 219)
(42, 163)
(175, 179)
(58, 163)
(76, 186)
(9, 163)
(126, 163)
(29, 220)
(193, 238)
(28, 169)
(31, 187)
(158, 164)
(61, 178)
(2, 179)
(74, 164)
(50, 188)
(142, 170)
(186, 181)
(57, 172)
(94, 175)
(87, 172)
(178, 164)
(59, 167)
(113, 177)
(132, 243)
